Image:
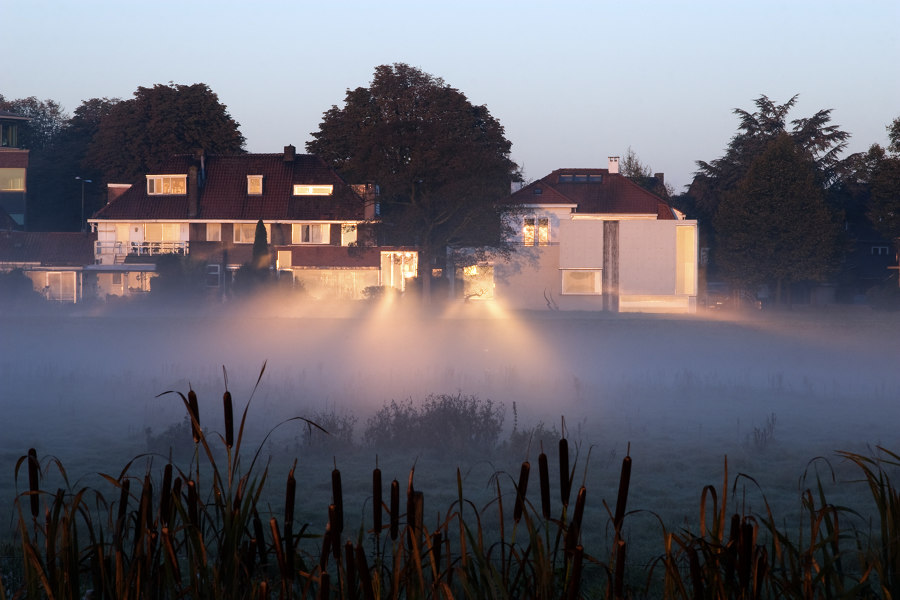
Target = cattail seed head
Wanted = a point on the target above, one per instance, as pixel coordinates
(34, 470)
(395, 509)
(565, 481)
(521, 490)
(229, 419)
(544, 475)
(377, 502)
(338, 499)
(194, 409)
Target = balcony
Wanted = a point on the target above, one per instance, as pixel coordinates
(117, 251)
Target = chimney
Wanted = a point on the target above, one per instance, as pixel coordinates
(289, 153)
(193, 192)
(613, 164)
(661, 177)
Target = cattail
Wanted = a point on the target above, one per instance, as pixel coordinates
(289, 495)
(326, 547)
(622, 498)
(34, 482)
(437, 539)
(194, 409)
(193, 503)
(521, 491)
(565, 483)
(170, 553)
(338, 499)
(377, 503)
(619, 577)
(395, 509)
(365, 577)
(165, 495)
(544, 475)
(335, 534)
(575, 526)
(279, 550)
(324, 586)
(575, 577)
(745, 554)
(350, 562)
(229, 419)
(263, 591)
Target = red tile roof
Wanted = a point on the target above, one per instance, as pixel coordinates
(593, 191)
(46, 248)
(223, 194)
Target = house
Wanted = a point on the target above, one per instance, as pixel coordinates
(13, 167)
(207, 207)
(54, 262)
(589, 239)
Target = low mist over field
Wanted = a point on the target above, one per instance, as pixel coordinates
(681, 390)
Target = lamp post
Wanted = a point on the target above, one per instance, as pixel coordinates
(83, 181)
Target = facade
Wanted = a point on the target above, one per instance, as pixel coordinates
(54, 262)
(207, 207)
(590, 239)
(13, 168)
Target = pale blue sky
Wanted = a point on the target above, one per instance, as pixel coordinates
(572, 82)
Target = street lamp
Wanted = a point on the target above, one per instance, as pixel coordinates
(83, 181)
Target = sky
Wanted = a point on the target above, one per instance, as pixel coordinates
(572, 83)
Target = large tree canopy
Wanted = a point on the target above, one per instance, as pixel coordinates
(775, 226)
(730, 192)
(138, 134)
(883, 171)
(441, 162)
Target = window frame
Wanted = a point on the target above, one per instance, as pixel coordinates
(254, 185)
(566, 289)
(167, 185)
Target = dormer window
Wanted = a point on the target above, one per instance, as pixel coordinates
(313, 190)
(254, 185)
(166, 184)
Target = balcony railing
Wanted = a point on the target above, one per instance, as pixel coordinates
(102, 249)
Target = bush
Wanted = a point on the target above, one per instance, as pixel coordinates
(339, 437)
(446, 423)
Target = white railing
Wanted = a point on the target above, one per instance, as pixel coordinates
(138, 248)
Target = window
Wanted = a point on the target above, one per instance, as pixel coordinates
(580, 178)
(880, 251)
(245, 233)
(584, 282)
(166, 184)
(213, 232)
(536, 231)
(9, 135)
(538, 191)
(348, 234)
(313, 190)
(12, 180)
(254, 185)
(310, 233)
(162, 232)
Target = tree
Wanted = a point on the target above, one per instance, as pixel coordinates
(815, 137)
(884, 186)
(775, 226)
(441, 162)
(46, 120)
(261, 257)
(631, 167)
(138, 134)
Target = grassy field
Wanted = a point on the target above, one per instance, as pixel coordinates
(771, 391)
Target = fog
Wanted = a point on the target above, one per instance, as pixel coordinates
(83, 386)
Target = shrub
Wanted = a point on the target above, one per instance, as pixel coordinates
(448, 423)
(339, 428)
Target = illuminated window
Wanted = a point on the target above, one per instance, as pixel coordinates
(477, 282)
(162, 232)
(585, 282)
(313, 190)
(310, 233)
(348, 234)
(245, 233)
(536, 231)
(12, 180)
(166, 184)
(213, 232)
(254, 185)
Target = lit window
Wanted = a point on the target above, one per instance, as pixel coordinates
(166, 184)
(213, 232)
(245, 233)
(254, 185)
(313, 190)
(310, 233)
(528, 232)
(12, 180)
(584, 282)
(536, 231)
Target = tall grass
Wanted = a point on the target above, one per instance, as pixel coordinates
(206, 529)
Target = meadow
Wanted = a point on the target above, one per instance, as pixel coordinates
(771, 391)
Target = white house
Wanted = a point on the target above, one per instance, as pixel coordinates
(590, 239)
